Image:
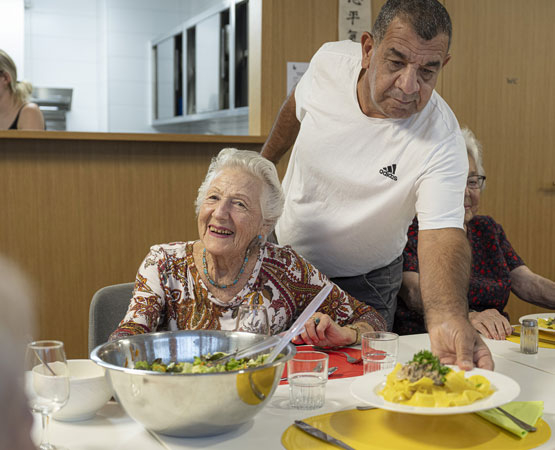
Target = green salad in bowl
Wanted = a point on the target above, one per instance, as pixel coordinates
(203, 364)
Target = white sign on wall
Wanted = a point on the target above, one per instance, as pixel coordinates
(355, 17)
(295, 71)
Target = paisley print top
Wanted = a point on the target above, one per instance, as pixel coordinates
(169, 293)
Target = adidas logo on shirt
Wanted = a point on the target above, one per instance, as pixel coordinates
(389, 171)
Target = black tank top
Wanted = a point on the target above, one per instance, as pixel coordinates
(13, 126)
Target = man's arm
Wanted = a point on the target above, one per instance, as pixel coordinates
(284, 132)
(444, 257)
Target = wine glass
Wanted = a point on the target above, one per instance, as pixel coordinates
(47, 382)
(253, 318)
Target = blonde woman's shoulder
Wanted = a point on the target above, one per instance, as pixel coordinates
(30, 118)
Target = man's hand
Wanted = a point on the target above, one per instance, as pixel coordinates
(491, 323)
(444, 257)
(455, 341)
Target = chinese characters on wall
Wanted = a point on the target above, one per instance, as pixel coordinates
(354, 18)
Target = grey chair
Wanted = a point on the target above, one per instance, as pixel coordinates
(108, 306)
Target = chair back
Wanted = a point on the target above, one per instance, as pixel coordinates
(108, 306)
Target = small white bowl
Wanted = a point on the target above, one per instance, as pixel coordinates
(89, 390)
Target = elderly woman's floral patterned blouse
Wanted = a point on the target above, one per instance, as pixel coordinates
(170, 294)
(493, 258)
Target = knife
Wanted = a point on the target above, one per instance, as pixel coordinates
(321, 435)
(545, 341)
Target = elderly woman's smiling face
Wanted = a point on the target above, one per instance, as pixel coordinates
(230, 216)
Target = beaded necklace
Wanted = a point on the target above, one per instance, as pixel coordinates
(223, 286)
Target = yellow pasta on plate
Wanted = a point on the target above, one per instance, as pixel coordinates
(547, 323)
(456, 390)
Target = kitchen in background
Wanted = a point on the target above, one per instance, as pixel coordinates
(102, 50)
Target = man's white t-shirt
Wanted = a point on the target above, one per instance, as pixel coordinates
(354, 183)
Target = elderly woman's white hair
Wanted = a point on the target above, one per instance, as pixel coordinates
(15, 328)
(474, 149)
(271, 198)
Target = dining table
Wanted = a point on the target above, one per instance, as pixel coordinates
(112, 428)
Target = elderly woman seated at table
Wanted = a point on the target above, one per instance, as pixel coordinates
(200, 284)
(496, 267)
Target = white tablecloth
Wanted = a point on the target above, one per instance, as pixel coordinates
(113, 429)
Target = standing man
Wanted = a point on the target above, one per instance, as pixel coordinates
(374, 145)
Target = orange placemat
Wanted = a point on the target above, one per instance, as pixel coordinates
(386, 430)
(344, 368)
(541, 335)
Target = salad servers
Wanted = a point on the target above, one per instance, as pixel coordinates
(279, 341)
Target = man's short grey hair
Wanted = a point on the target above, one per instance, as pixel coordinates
(271, 198)
(428, 18)
(474, 149)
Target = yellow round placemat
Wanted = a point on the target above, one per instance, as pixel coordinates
(541, 335)
(386, 430)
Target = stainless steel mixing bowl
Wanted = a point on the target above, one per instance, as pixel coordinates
(188, 404)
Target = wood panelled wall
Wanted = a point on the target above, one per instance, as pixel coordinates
(282, 31)
(78, 215)
(499, 84)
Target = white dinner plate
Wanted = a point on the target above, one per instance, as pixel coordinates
(539, 316)
(366, 388)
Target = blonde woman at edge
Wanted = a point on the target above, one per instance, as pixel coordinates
(16, 112)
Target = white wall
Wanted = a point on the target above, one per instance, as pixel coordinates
(62, 51)
(12, 32)
(100, 48)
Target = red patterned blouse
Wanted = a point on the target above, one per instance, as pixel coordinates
(493, 258)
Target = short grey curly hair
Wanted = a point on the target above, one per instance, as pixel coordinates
(474, 149)
(428, 18)
(271, 198)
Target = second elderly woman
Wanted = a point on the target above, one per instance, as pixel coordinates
(201, 284)
(496, 267)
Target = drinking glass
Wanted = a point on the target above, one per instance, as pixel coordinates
(47, 382)
(307, 374)
(253, 318)
(379, 350)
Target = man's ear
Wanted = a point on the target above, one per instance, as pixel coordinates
(367, 44)
(446, 60)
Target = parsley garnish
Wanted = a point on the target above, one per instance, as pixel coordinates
(425, 357)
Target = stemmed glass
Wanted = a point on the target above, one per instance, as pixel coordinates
(47, 382)
(253, 318)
